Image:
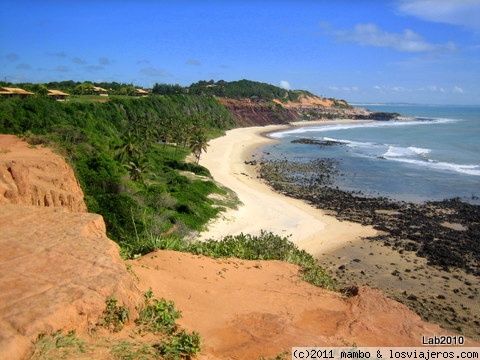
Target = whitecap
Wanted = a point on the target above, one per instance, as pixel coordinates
(397, 151)
(355, 125)
(442, 166)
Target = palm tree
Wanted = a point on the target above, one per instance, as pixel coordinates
(129, 149)
(198, 143)
(137, 168)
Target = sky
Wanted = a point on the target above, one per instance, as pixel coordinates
(363, 51)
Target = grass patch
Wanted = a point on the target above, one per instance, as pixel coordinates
(131, 350)
(58, 346)
(159, 316)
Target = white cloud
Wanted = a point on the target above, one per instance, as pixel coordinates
(344, 88)
(433, 88)
(407, 41)
(458, 90)
(454, 12)
(285, 84)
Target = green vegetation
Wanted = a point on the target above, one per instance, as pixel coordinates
(244, 89)
(114, 316)
(282, 356)
(129, 156)
(58, 346)
(157, 316)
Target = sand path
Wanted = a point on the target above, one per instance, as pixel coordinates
(263, 208)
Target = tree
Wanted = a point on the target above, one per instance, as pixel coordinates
(83, 88)
(198, 143)
(137, 168)
(130, 148)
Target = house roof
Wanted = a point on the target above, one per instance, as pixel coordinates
(56, 93)
(14, 91)
(141, 91)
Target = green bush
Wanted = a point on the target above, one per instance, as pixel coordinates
(114, 316)
(157, 315)
(181, 345)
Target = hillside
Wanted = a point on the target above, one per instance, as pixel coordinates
(59, 268)
(255, 103)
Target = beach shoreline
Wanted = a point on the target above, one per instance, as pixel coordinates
(262, 208)
(445, 297)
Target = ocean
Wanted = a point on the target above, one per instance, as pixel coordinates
(435, 156)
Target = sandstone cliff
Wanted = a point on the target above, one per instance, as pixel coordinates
(253, 114)
(248, 113)
(36, 176)
(57, 265)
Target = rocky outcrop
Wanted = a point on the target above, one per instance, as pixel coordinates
(57, 265)
(58, 268)
(36, 176)
(316, 112)
(248, 113)
(258, 114)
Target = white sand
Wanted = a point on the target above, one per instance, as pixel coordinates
(263, 208)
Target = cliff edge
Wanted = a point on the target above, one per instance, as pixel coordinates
(57, 265)
(36, 176)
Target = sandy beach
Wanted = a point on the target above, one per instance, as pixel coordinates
(262, 208)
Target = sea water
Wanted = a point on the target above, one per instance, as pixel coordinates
(434, 156)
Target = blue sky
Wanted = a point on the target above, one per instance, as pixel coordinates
(420, 51)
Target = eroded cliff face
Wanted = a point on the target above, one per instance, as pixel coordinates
(253, 114)
(57, 265)
(248, 113)
(36, 176)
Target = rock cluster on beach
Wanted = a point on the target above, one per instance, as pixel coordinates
(445, 233)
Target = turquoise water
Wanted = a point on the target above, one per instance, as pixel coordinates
(436, 156)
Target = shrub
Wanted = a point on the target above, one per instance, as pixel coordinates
(114, 316)
(180, 346)
(157, 315)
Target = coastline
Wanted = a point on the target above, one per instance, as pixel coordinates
(443, 297)
(264, 209)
